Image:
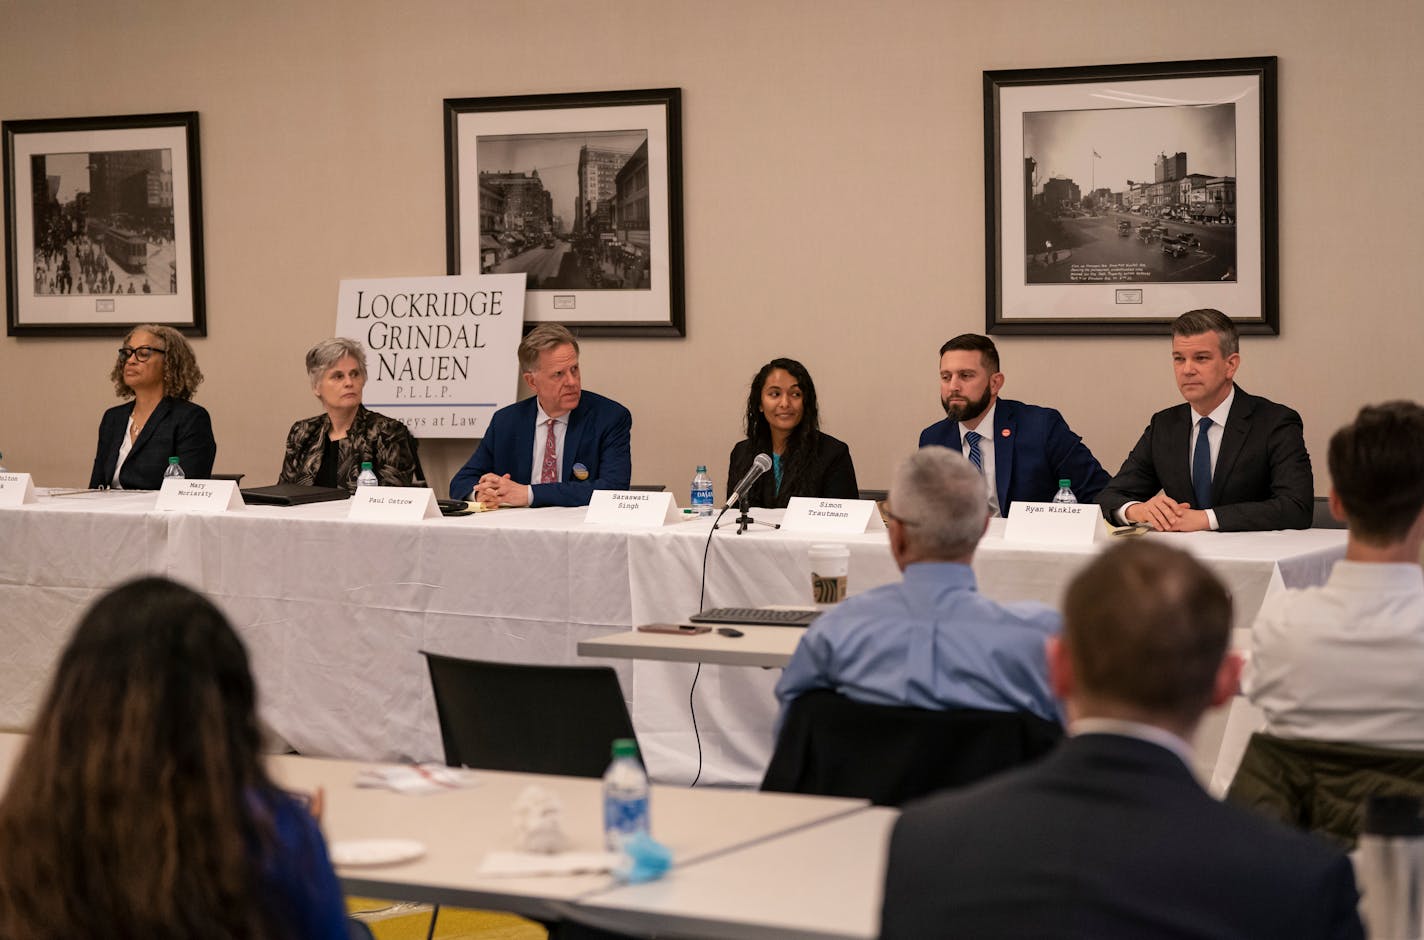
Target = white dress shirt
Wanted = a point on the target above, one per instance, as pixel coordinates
(124, 447)
(986, 452)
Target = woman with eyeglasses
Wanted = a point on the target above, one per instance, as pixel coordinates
(156, 368)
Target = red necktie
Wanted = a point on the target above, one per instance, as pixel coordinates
(550, 471)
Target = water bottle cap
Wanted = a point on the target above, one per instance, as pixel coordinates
(625, 747)
(701, 468)
(1063, 484)
(172, 460)
(365, 465)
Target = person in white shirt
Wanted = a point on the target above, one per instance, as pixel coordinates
(1342, 662)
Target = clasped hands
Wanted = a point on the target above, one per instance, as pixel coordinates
(493, 491)
(1165, 514)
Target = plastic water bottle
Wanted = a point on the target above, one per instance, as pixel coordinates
(173, 471)
(367, 476)
(1064, 494)
(625, 795)
(702, 497)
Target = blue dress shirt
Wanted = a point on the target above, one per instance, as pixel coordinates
(930, 641)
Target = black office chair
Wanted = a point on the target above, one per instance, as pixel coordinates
(646, 487)
(533, 719)
(234, 477)
(832, 746)
(1321, 519)
(878, 495)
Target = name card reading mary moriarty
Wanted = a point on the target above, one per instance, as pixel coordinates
(393, 504)
(179, 495)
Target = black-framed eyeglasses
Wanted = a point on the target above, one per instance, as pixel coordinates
(141, 353)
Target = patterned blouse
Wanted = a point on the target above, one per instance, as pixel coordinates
(385, 442)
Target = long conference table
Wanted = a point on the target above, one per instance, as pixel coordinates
(754, 866)
(335, 612)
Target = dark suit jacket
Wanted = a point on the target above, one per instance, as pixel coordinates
(176, 428)
(1108, 837)
(832, 475)
(598, 438)
(1040, 450)
(1262, 478)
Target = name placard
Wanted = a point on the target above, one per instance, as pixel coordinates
(199, 496)
(393, 504)
(16, 489)
(1054, 523)
(632, 508)
(835, 516)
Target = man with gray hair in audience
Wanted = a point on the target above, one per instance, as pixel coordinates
(931, 640)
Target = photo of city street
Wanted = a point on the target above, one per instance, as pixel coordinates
(1130, 195)
(103, 223)
(570, 210)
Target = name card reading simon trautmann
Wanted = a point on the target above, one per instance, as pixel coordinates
(393, 504)
(16, 489)
(831, 516)
(199, 496)
(632, 508)
(1054, 523)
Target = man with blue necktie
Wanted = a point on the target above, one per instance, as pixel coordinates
(1225, 460)
(1022, 450)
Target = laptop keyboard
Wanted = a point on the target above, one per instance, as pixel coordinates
(761, 616)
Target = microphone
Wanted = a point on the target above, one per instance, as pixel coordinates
(760, 464)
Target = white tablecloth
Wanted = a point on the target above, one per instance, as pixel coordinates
(334, 612)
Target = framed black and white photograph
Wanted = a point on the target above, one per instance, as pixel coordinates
(103, 225)
(581, 192)
(1118, 197)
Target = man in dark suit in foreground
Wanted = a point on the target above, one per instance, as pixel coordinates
(555, 448)
(1111, 835)
(1225, 460)
(1022, 450)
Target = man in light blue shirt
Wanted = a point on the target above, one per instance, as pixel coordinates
(932, 640)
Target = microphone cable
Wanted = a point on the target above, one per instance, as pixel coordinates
(701, 605)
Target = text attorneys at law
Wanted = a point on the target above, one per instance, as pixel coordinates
(1029, 448)
(1226, 459)
(157, 369)
(555, 448)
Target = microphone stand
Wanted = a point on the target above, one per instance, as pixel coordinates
(743, 520)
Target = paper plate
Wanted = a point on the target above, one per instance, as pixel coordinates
(358, 852)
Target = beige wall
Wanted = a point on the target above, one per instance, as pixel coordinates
(833, 157)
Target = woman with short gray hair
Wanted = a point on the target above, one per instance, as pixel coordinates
(328, 450)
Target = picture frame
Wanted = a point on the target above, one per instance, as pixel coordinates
(583, 191)
(103, 224)
(1118, 197)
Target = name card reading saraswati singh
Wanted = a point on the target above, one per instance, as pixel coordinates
(199, 496)
(831, 516)
(441, 350)
(16, 489)
(1054, 523)
(632, 508)
(393, 504)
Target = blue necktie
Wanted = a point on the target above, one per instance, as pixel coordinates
(976, 458)
(1201, 466)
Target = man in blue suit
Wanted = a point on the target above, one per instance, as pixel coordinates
(1030, 448)
(556, 448)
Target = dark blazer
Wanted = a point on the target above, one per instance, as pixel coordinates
(598, 437)
(384, 441)
(1038, 451)
(1108, 836)
(1262, 478)
(832, 475)
(176, 428)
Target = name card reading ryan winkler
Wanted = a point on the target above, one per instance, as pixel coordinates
(198, 496)
(832, 516)
(16, 489)
(393, 504)
(1054, 523)
(632, 508)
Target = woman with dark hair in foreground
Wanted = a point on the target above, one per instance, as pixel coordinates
(139, 807)
(784, 421)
